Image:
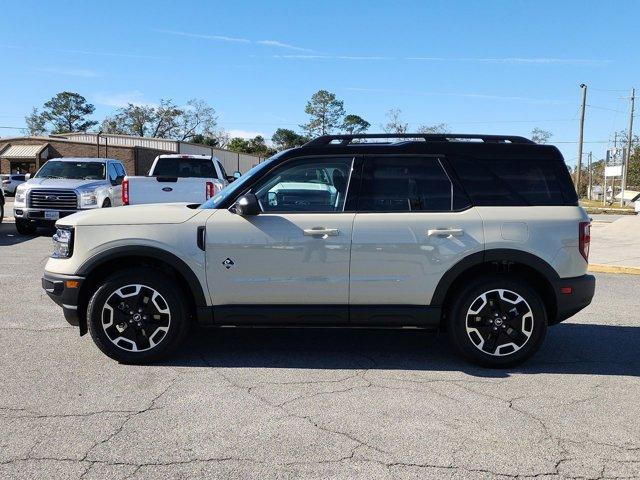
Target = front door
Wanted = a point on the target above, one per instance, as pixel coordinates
(294, 253)
(410, 228)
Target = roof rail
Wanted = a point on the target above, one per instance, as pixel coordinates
(427, 137)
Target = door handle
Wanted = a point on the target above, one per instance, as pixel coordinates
(445, 232)
(321, 231)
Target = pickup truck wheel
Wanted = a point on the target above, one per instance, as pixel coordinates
(106, 203)
(137, 316)
(497, 321)
(24, 227)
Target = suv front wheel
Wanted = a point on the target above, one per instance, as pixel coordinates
(137, 316)
(497, 321)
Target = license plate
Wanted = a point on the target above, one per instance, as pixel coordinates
(51, 215)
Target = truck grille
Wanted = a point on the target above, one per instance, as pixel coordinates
(53, 199)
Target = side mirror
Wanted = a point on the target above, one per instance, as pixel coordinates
(237, 174)
(247, 205)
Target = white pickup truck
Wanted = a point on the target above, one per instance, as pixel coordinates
(177, 178)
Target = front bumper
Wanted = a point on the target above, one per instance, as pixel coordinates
(65, 291)
(39, 216)
(572, 295)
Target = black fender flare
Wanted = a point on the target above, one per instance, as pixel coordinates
(154, 253)
(487, 256)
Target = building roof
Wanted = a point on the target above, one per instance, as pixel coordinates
(23, 151)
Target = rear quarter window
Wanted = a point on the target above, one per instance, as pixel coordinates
(496, 180)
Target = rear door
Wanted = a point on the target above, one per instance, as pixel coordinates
(411, 226)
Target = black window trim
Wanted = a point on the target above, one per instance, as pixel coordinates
(352, 195)
(442, 161)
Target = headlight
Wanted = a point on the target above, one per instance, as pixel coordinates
(88, 199)
(21, 195)
(62, 242)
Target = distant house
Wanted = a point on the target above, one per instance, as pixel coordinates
(27, 154)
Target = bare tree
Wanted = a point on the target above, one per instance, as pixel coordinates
(436, 128)
(540, 136)
(36, 124)
(394, 123)
(197, 118)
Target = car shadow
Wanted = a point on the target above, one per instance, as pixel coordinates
(569, 348)
(10, 236)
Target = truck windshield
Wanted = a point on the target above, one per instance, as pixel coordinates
(72, 170)
(184, 168)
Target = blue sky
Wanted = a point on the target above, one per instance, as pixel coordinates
(485, 67)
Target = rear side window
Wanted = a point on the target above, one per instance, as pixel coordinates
(404, 184)
(515, 180)
(185, 167)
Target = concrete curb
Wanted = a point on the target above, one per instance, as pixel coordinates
(600, 268)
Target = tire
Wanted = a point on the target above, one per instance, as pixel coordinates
(130, 341)
(1, 212)
(24, 227)
(497, 321)
(106, 203)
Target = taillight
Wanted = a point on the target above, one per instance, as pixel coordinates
(124, 192)
(584, 239)
(209, 191)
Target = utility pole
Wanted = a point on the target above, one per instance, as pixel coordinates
(627, 157)
(590, 176)
(580, 136)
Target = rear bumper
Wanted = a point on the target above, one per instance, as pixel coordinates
(572, 301)
(64, 290)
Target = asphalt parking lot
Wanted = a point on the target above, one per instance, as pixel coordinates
(265, 404)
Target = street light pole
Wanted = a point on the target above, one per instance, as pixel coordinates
(581, 136)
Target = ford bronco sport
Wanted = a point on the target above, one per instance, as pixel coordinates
(478, 235)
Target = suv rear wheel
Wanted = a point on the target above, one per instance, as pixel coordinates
(497, 321)
(137, 316)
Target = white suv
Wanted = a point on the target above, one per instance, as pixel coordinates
(478, 235)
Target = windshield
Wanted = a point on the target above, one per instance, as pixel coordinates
(237, 186)
(72, 170)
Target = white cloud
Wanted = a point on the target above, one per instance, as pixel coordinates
(220, 38)
(121, 99)
(519, 60)
(480, 96)
(224, 38)
(276, 43)
(70, 72)
(243, 133)
(332, 57)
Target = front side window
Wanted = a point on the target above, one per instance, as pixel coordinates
(306, 185)
(404, 184)
(72, 170)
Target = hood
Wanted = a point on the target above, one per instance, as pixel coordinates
(149, 214)
(59, 183)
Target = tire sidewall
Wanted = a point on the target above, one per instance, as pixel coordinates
(456, 326)
(160, 282)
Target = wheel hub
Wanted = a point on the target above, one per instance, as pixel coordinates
(499, 322)
(136, 318)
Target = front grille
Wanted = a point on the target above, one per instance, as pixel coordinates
(49, 199)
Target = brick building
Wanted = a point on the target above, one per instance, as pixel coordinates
(27, 154)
